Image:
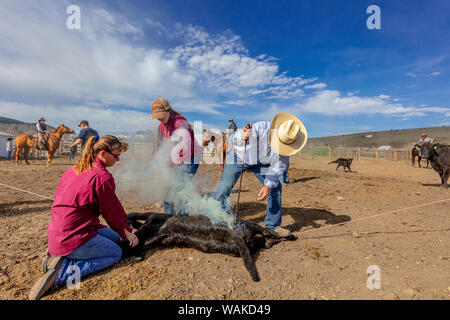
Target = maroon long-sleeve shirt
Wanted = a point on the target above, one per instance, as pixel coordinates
(179, 122)
(79, 201)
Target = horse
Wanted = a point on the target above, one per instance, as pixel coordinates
(220, 146)
(415, 152)
(26, 142)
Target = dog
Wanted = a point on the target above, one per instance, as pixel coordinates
(346, 163)
(199, 233)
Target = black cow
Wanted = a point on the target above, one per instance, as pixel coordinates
(439, 156)
(415, 152)
(199, 233)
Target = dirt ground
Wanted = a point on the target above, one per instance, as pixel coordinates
(380, 202)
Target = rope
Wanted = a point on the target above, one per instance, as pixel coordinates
(26, 191)
(377, 215)
(310, 230)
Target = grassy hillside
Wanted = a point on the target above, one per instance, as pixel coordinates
(9, 120)
(16, 127)
(398, 139)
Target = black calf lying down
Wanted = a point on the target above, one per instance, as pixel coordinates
(199, 233)
(346, 163)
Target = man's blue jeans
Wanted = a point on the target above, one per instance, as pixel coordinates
(97, 254)
(230, 176)
(8, 155)
(187, 169)
(284, 178)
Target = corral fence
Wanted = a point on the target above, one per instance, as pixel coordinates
(355, 153)
(137, 148)
(310, 153)
(62, 152)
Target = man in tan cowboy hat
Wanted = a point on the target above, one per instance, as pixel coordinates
(268, 146)
(42, 133)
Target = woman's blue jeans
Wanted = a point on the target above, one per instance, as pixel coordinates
(100, 252)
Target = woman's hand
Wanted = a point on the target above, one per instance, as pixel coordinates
(132, 239)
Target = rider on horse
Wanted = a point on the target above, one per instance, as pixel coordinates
(423, 138)
(42, 133)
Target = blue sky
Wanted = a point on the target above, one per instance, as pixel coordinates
(216, 60)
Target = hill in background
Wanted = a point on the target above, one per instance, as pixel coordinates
(9, 120)
(397, 139)
(16, 127)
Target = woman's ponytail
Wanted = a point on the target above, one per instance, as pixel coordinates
(87, 157)
(93, 146)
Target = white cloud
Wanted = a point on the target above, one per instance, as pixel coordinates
(319, 85)
(222, 63)
(101, 65)
(44, 62)
(105, 120)
(105, 72)
(436, 73)
(330, 102)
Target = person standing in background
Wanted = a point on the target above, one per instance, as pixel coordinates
(232, 128)
(85, 134)
(9, 148)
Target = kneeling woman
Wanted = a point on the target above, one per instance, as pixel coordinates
(77, 242)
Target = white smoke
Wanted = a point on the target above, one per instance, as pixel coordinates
(144, 173)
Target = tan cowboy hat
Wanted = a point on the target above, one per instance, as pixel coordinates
(288, 134)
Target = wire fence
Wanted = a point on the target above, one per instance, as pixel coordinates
(141, 148)
(311, 153)
(62, 152)
(355, 153)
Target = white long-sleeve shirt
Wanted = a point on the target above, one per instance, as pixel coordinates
(9, 146)
(39, 127)
(258, 151)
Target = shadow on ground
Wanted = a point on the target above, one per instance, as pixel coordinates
(9, 209)
(303, 217)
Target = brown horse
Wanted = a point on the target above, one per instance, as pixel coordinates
(220, 146)
(26, 142)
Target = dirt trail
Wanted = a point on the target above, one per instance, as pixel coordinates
(411, 247)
